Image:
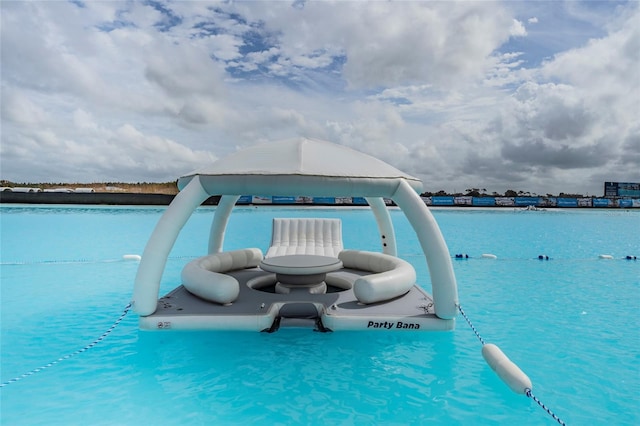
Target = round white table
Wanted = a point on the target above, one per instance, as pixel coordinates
(301, 272)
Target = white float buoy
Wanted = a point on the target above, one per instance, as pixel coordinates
(136, 257)
(489, 256)
(506, 369)
(605, 256)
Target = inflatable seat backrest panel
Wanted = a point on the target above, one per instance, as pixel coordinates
(315, 236)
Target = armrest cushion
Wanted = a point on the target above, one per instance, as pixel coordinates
(230, 260)
(205, 278)
(392, 276)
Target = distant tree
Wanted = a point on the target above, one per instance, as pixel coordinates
(510, 193)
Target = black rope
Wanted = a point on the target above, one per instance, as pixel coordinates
(471, 325)
(79, 351)
(544, 407)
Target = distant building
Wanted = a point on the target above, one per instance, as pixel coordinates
(622, 189)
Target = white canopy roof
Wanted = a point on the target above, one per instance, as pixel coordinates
(301, 166)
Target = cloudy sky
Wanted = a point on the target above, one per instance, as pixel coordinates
(534, 96)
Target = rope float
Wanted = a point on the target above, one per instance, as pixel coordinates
(79, 351)
(507, 370)
(484, 255)
(136, 257)
(125, 258)
(510, 373)
(459, 256)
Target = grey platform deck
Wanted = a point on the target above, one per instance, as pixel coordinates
(265, 310)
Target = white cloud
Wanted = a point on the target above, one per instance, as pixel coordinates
(517, 29)
(445, 44)
(386, 44)
(20, 108)
(123, 91)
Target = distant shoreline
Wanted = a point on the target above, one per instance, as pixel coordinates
(92, 198)
(159, 199)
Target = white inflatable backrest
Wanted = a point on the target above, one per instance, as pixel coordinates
(321, 237)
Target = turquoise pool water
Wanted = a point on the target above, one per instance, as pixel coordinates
(571, 323)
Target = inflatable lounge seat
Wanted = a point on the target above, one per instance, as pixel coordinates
(322, 237)
(205, 276)
(392, 276)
